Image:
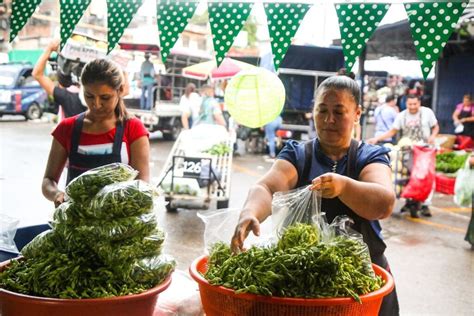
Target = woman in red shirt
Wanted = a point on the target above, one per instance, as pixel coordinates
(104, 134)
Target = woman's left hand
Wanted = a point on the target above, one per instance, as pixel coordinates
(330, 184)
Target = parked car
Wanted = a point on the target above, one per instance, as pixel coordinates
(20, 93)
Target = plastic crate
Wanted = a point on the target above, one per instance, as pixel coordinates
(444, 184)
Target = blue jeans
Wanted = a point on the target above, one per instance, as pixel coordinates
(270, 131)
(146, 99)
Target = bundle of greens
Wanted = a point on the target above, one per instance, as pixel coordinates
(82, 189)
(450, 162)
(218, 149)
(106, 245)
(298, 266)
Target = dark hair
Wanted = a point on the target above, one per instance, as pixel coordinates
(103, 71)
(190, 88)
(390, 98)
(468, 95)
(63, 79)
(344, 72)
(340, 82)
(413, 96)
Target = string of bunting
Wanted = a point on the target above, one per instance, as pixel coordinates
(431, 23)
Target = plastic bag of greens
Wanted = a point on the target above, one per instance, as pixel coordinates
(86, 186)
(464, 186)
(117, 253)
(91, 232)
(295, 206)
(154, 270)
(339, 234)
(123, 199)
(40, 245)
(68, 212)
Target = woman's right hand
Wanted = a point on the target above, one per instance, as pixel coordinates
(59, 198)
(246, 224)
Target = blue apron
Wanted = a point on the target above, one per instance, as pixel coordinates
(334, 207)
(80, 163)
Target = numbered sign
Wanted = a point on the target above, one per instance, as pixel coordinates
(192, 167)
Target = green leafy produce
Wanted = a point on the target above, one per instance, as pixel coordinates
(450, 162)
(123, 199)
(218, 149)
(90, 254)
(339, 268)
(86, 186)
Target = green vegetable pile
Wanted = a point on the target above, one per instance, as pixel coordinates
(218, 149)
(450, 162)
(298, 266)
(85, 187)
(106, 245)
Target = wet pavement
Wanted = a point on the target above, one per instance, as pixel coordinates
(432, 264)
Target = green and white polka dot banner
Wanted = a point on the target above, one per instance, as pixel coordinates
(283, 20)
(357, 23)
(226, 20)
(21, 12)
(431, 26)
(71, 13)
(119, 15)
(172, 17)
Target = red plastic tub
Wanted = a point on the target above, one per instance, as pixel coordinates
(142, 304)
(221, 301)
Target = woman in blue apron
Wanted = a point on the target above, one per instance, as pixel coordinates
(354, 178)
(104, 134)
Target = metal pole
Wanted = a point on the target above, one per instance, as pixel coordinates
(362, 58)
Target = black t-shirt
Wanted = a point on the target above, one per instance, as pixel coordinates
(70, 102)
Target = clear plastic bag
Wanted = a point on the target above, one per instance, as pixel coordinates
(340, 234)
(153, 270)
(86, 186)
(41, 244)
(220, 226)
(464, 186)
(181, 298)
(295, 206)
(123, 199)
(135, 248)
(8, 227)
(92, 231)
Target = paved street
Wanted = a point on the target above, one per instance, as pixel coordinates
(432, 264)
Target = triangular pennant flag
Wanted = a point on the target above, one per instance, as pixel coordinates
(226, 20)
(71, 13)
(357, 23)
(431, 26)
(283, 21)
(21, 12)
(173, 16)
(119, 15)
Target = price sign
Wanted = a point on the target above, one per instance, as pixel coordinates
(192, 167)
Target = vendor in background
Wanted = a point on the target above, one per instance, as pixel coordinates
(209, 111)
(147, 82)
(384, 117)
(463, 116)
(66, 94)
(353, 177)
(190, 104)
(104, 134)
(419, 124)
